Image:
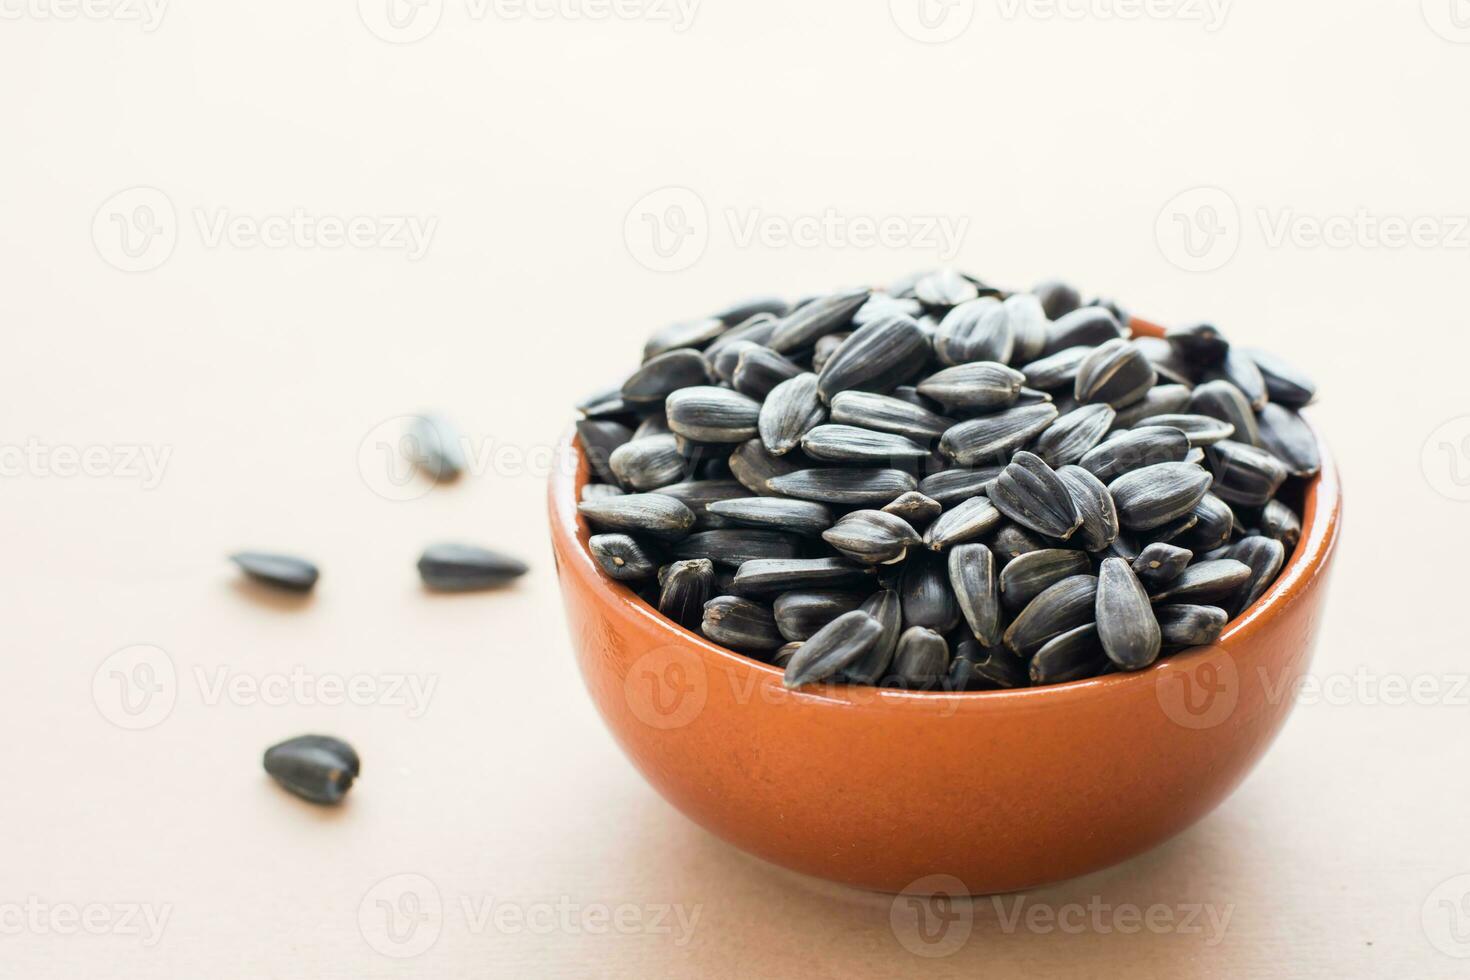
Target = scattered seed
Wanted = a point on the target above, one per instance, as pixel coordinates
(1089, 326)
(1057, 298)
(886, 607)
(1224, 401)
(1170, 399)
(965, 521)
(945, 287)
(1242, 372)
(1028, 326)
(435, 446)
(1011, 541)
(1200, 344)
(760, 369)
(1201, 430)
(697, 495)
(591, 491)
(976, 668)
(318, 768)
(468, 568)
(686, 333)
(1216, 522)
(664, 375)
(599, 439)
(279, 571)
(1056, 370)
(1280, 522)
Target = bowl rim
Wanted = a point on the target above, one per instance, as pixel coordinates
(1321, 525)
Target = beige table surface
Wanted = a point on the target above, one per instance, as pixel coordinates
(262, 381)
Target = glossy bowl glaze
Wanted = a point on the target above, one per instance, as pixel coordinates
(1002, 790)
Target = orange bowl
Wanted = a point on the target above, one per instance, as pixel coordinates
(880, 788)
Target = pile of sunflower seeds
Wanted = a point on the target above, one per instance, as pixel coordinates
(945, 486)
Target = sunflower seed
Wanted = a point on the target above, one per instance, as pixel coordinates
(834, 647)
(791, 410)
(878, 356)
(850, 444)
(782, 657)
(622, 558)
(882, 304)
(1158, 564)
(1073, 435)
(979, 330)
(884, 606)
(646, 464)
(1285, 385)
(972, 577)
(1028, 326)
(697, 495)
(1011, 541)
(599, 440)
(884, 413)
(1155, 495)
(1200, 344)
(1286, 436)
(1216, 522)
(1170, 530)
(1224, 401)
(735, 546)
(664, 375)
(1062, 606)
(1125, 621)
(1206, 582)
(945, 287)
(704, 413)
(684, 588)
(1244, 474)
(965, 521)
(317, 768)
(591, 491)
(803, 326)
(825, 348)
(787, 574)
(1242, 372)
(921, 661)
(1264, 557)
(976, 386)
(1115, 372)
(280, 571)
(865, 487)
(741, 313)
(915, 508)
(435, 446)
(1280, 522)
(1190, 626)
(604, 404)
(1056, 370)
(1074, 655)
(1095, 507)
(992, 438)
(639, 513)
(774, 513)
(740, 624)
(759, 370)
(1090, 326)
(799, 614)
(975, 668)
(949, 487)
(1166, 360)
(1201, 430)
(1027, 576)
(467, 568)
(1161, 400)
(923, 587)
(681, 335)
(1057, 298)
(1123, 546)
(724, 353)
(1030, 493)
(872, 537)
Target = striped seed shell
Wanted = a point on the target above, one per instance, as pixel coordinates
(800, 613)
(833, 648)
(765, 576)
(1284, 384)
(604, 404)
(1074, 655)
(803, 326)
(1125, 621)
(740, 624)
(782, 657)
(991, 439)
(1244, 474)
(1166, 361)
(1089, 326)
(921, 661)
(1159, 563)
(885, 413)
(665, 374)
(1155, 495)
(965, 521)
(648, 463)
(1135, 449)
(1280, 522)
(945, 287)
(972, 577)
(850, 444)
(1115, 372)
(1224, 401)
(1063, 606)
(979, 330)
(1057, 298)
(1057, 370)
(622, 558)
(1200, 344)
(882, 304)
(1028, 327)
(599, 439)
(974, 386)
(1264, 557)
(1201, 430)
(753, 466)
(1011, 541)
(737, 545)
(1287, 437)
(1027, 576)
(655, 424)
(915, 508)
(790, 411)
(760, 369)
(705, 413)
(683, 334)
(872, 537)
(1190, 626)
(951, 486)
(878, 356)
(854, 487)
(774, 513)
(1215, 524)
(886, 607)
(976, 668)
(639, 513)
(826, 347)
(1095, 506)
(1242, 372)
(740, 313)
(1160, 400)
(924, 590)
(1030, 493)
(697, 495)
(1211, 582)
(1073, 435)
(686, 586)
(593, 490)
(756, 329)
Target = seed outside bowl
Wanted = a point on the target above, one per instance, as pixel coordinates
(772, 771)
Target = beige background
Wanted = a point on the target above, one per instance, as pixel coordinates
(1063, 142)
